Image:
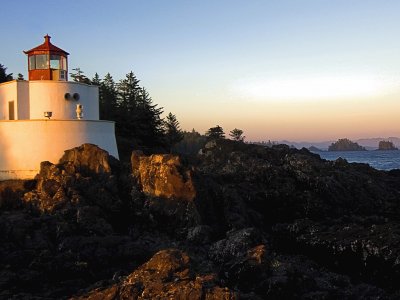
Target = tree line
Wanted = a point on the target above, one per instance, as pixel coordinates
(139, 124)
(4, 77)
(3, 74)
(138, 119)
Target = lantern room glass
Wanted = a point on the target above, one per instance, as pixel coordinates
(32, 62)
(55, 62)
(42, 61)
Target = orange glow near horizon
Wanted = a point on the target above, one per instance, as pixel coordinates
(303, 88)
(300, 120)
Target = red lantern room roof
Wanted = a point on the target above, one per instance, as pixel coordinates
(47, 46)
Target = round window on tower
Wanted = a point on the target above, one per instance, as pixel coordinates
(67, 96)
(76, 96)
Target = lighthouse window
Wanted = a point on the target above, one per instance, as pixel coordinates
(63, 63)
(55, 62)
(42, 61)
(32, 62)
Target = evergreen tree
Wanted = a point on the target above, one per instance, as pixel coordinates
(138, 121)
(173, 133)
(3, 75)
(96, 79)
(150, 122)
(191, 143)
(78, 76)
(138, 117)
(127, 101)
(237, 135)
(107, 97)
(215, 133)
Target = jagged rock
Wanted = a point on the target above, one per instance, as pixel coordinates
(87, 159)
(83, 174)
(169, 193)
(274, 223)
(235, 245)
(11, 192)
(167, 275)
(278, 184)
(297, 277)
(163, 176)
(200, 235)
(366, 247)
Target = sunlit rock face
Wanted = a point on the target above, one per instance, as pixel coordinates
(83, 173)
(163, 175)
(167, 275)
(87, 158)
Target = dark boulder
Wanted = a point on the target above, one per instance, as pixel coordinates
(167, 275)
(250, 221)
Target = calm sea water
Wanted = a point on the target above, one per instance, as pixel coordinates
(382, 160)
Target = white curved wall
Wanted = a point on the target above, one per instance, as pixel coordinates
(47, 95)
(25, 144)
(33, 98)
(8, 92)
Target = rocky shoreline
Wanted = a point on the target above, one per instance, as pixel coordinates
(237, 221)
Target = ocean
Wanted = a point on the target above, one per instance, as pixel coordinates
(381, 160)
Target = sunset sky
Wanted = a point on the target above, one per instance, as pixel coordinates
(297, 70)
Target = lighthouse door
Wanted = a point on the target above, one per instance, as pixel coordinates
(11, 110)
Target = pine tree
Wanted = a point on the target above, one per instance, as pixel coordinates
(96, 79)
(138, 117)
(107, 97)
(191, 143)
(78, 76)
(128, 92)
(3, 75)
(237, 135)
(173, 133)
(150, 122)
(127, 102)
(215, 133)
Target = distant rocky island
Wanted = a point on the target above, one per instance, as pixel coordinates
(367, 143)
(314, 149)
(345, 145)
(386, 145)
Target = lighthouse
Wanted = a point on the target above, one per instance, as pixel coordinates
(42, 117)
(47, 62)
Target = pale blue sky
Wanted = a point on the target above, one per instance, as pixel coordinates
(262, 66)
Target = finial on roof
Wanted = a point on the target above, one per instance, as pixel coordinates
(47, 38)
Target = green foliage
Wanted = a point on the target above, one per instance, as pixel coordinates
(3, 74)
(137, 116)
(173, 134)
(96, 80)
(191, 143)
(138, 121)
(215, 133)
(237, 135)
(345, 145)
(107, 97)
(78, 76)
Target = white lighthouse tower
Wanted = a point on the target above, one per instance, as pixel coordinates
(46, 115)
